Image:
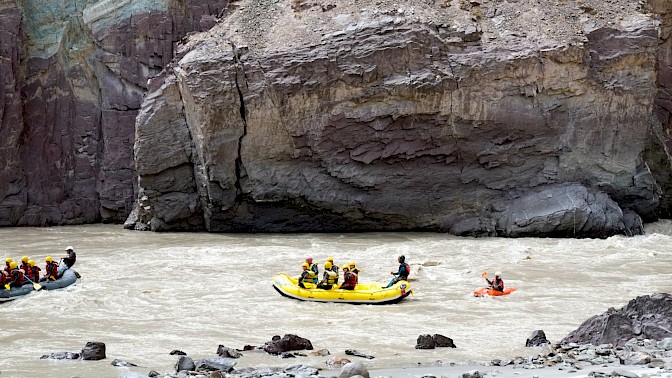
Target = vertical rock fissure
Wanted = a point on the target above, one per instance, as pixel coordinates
(239, 158)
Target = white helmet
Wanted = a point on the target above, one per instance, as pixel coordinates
(497, 274)
(69, 248)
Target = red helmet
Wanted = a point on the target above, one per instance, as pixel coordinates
(309, 259)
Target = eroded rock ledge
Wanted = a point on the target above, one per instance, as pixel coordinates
(488, 118)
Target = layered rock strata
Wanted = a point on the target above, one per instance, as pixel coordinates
(75, 76)
(475, 118)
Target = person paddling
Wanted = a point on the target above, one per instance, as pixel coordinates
(8, 261)
(497, 283)
(51, 270)
(33, 272)
(402, 273)
(15, 276)
(25, 267)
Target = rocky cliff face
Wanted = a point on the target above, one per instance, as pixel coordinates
(75, 76)
(476, 118)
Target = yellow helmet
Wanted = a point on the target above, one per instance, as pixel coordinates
(31, 262)
(305, 265)
(13, 265)
(344, 267)
(49, 259)
(327, 265)
(351, 263)
(8, 260)
(330, 259)
(24, 259)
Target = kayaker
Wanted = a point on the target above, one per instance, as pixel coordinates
(51, 270)
(349, 279)
(307, 276)
(15, 276)
(329, 278)
(34, 271)
(497, 283)
(402, 273)
(24, 264)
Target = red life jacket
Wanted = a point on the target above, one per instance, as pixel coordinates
(19, 280)
(34, 273)
(51, 269)
(350, 280)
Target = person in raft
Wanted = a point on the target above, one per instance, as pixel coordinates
(15, 276)
(329, 278)
(497, 283)
(8, 261)
(51, 270)
(24, 264)
(33, 272)
(353, 269)
(402, 273)
(334, 267)
(307, 276)
(349, 279)
(71, 258)
(313, 266)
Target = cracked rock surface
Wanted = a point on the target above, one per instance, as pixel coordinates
(515, 118)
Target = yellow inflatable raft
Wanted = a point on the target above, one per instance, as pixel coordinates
(364, 293)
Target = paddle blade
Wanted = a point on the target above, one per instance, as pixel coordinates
(37, 286)
(7, 287)
(484, 274)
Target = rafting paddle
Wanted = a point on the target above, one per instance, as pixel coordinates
(36, 286)
(8, 287)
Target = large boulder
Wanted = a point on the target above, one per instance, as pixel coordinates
(455, 119)
(645, 317)
(287, 343)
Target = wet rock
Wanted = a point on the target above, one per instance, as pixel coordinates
(472, 374)
(537, 338)
(61, 356)
(93, 350)
(624, 373)
(352, 352)
(337, 362)
(254, 372)
(441, 341)
(287, 355)
(223, 351)
(353, 369)
(321, 352)
(301, 371)
(288, 343)
(645, 317)
(215, 363)
(635, 358)
(185, 363)
(176, 352)
(153, 374)
(425, 342)
(122, 363)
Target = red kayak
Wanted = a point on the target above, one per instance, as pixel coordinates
(482, 292)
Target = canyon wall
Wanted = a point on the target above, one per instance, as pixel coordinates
(512, 118)
(76, 73)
